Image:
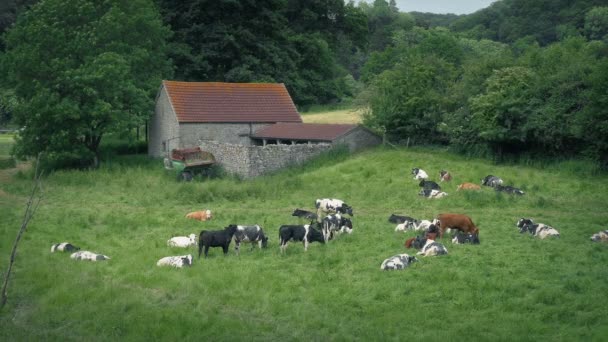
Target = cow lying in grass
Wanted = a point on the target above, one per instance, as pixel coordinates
(309, 215)
(491, 181)
(182, 241)
(397, 262)
(215, 238)
(444, 176)
(86, 255)
(202, 215)
(332, 206)
(419, 174)
(509, 190)
(428, 193)
(432, 248)
(305, 233)
(253, 234)
(461, 238)
(600, 237)
(335, 224)
(539, 230)
(176, 261)
(458, 222)
(468, 186)
(426, 184)
(64, 247)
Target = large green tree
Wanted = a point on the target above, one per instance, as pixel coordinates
(81, 69)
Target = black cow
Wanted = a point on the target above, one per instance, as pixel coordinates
(253, 234)
(509, 189)
(400, 219)
(304, 214)
(430, 185)
(305, 233)
(216, 238)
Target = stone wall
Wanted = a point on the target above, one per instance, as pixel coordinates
(163, 130)
(253, 161)
(358, 139)
(230, 133)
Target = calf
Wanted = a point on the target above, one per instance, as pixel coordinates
(416, 242)
(431, 193)
(64, 247)
(409, 223)
(334, 224)
(419, 174)
(423, 225)
(202, 215)
(429, 185)
(602, 236)
(468, 186)
(444, 176)
(253, 234)
(397, 262)
(305, 233)
(539, 230)
(509, 189)
(456, 221)
(432, 248)
(182, 241)
(215, 238)
(86, 255)
(176, 261)
(492, 181)
(332, 205)
(304, 214)
(461, 238)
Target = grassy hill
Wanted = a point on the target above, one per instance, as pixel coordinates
(340, 116)
(511, 287)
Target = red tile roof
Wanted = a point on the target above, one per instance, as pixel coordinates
(303, 131)
(231, 102)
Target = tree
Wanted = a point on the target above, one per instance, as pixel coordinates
(82, 69)
(596, 23)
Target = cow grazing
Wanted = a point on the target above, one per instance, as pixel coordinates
(419, 174)
(64, 247)
(309, 215)
(202, 215)
(253, 234)
(458, 222)
(332, 206)
(428, 193)
(397, 262)
(335, 224)
(491, 181)
(468, 186)
(216, 238)
(509, 190)
(444, 176)
(86, 255)
(178, 261)
(602, 236)
(432, 248)
(182, 241)
(539, 230)
(426, 184)
(305, 233)
(461, 238)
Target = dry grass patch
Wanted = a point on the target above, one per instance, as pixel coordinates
(343, 116)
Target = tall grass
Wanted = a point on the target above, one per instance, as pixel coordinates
(511, 287)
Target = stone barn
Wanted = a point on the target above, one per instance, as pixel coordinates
(251, 128)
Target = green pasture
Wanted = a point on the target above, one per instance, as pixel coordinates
(512, 287)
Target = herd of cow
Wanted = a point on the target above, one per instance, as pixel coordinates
(330, 219)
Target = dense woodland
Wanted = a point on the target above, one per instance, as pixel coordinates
(519, 78)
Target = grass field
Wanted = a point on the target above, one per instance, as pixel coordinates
(512, 287)
(6, 142)
(341, 116)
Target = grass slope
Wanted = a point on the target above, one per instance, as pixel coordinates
(342, 116)
(511, 287)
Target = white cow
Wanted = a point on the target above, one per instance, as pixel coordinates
(419, 174)
(86, 255)
(432, 248)
(178, 261)
(182, 241)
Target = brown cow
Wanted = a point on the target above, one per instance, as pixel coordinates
(468, 186)
(445, 176)
(201, 215)
(456, 221)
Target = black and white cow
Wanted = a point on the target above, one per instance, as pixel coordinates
(215, 238)
(254, 234)
(602, 236)
(426, 184)
(332, 205)
(431, 193)
(432, 248)
(309, 215)
(539, 230)
(462, 238)
(399, 218)
(305, 233)
(397, 262)
(86, 255)
(491, 181)
(64, 247)
(177, 261)
(509, 190)
(335, 224)
(419, 174)
(416, 242)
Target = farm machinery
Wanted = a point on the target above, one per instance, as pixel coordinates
(187, 162)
